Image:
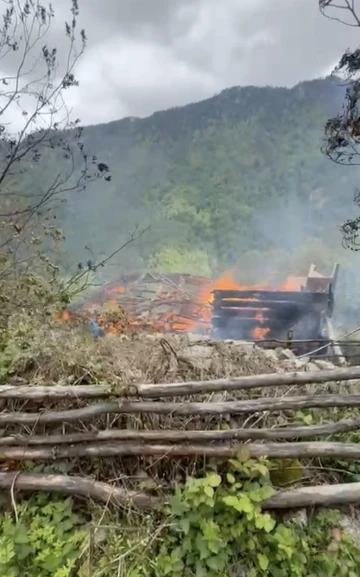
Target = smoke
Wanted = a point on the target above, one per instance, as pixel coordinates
(297, 231)
(275, 234)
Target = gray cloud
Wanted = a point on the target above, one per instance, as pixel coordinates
(145, 55)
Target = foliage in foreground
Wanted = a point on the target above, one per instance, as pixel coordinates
(219, 529)
(42, 542)
(213, 526)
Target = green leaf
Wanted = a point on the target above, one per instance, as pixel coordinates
(262, 469)
(241, 503)
(269, 523)
(237, 466)
(200, 570)
(263, 561)
(184, 525)
(215, 563)
(230, 478)
(21, 536)
(307, 419)
(209, 491)
(178, 505)
(243, 454)
(214, 480)
(231, 501)
(267, 491)
(265, 521)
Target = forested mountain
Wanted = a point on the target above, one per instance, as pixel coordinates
(235, 179)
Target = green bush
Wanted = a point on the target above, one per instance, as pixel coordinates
(42, 540)
(218, 528)
(213, 526)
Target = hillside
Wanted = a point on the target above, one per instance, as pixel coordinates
(235, 179)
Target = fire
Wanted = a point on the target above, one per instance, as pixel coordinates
(227, 283)
(170, 308)
(115, 290)
(292, 283)
(260, 332)
(64, 316)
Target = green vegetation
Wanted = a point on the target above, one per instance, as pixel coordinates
(213, 526)
(42, 539)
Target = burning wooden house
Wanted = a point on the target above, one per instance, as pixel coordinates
(299, 310)
(300, 319)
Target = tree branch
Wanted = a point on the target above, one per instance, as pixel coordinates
(185, 408)
(171, 436)
(78, 486)
(300, 450)
(177, 389)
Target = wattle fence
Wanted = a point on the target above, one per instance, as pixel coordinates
(43, 434)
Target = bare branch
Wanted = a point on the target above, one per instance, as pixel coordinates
(300, 450)
(325, 496)
(173, 436)
(178, 389)
(327, 6)
(78, 486)
(342, 133)
(184, 409)
(35, 80)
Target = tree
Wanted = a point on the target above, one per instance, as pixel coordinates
(35, 127)
(342, 132)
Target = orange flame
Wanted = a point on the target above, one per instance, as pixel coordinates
(227, 282)
(120, 316)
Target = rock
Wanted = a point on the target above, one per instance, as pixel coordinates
(311, 366)
(271, 354)
(295, 364)
(301, 364)
(287, 366)
(284, 354)
(324, 365)
(248, 344)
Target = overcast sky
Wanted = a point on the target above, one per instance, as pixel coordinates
(148, 55)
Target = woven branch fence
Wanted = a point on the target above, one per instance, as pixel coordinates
(155, 399)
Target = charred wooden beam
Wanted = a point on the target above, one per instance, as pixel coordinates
(246, 324)
(271, 296)
(250, 310)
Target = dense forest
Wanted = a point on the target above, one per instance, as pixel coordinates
(235, 180)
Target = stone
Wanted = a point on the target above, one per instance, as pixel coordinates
(301, 363)
(324, 365)
(271, 354)
(284, 354)
(311, 366)
(248, 344)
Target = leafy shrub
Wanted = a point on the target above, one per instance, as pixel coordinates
(43, 541)
(218, 528)
(213, 526)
